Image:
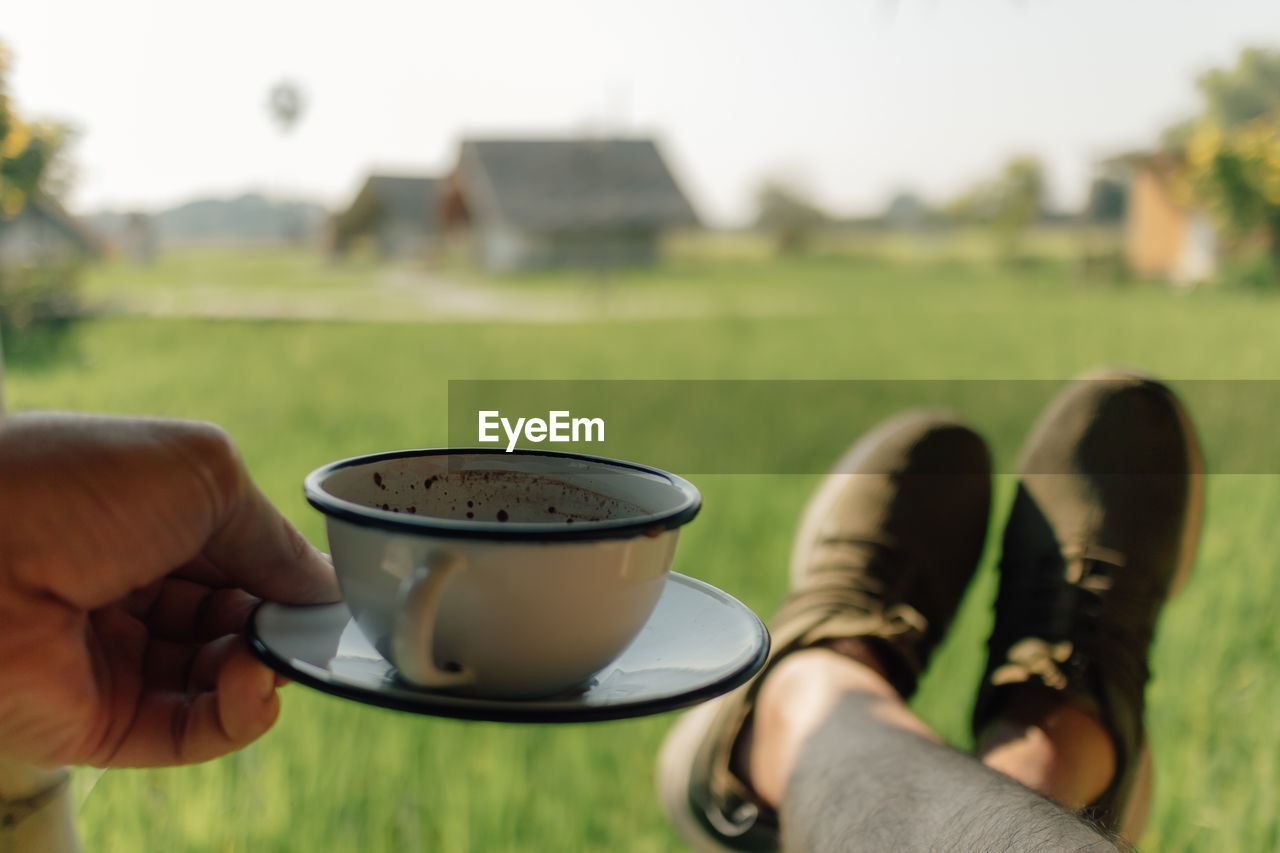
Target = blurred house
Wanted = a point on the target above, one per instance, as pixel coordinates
(43, 234)
(398, 214)
(535, 203)
(1166, 234)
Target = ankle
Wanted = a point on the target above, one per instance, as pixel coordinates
(862, 651)
(1051, 746)
(797, 696)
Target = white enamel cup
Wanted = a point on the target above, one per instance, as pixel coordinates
(500, 574)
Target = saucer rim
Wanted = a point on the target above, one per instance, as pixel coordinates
(546, 710)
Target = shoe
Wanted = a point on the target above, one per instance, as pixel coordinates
(1103, 527)
(884, 552)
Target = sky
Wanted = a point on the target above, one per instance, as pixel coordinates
(853, 100)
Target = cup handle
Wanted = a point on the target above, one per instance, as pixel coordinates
(413, 633)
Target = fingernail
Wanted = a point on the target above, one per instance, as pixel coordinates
(267, 685)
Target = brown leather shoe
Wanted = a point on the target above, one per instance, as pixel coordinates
(1104, 526)
(884, 552)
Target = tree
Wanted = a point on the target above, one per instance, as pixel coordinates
(1008, 204)
(31, 163)
(1233, 149)
(26, 151)
(286, 102)
(788, 213)
(1019, 201)
(1232, 97)
(1237, 173)
(1237, 96)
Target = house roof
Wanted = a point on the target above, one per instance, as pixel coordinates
(411, 199)
(1167, 169)
(414, 199)
(571, 184)
(1161, 160)
(51, 210)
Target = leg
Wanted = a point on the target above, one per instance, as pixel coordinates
(849, 767)
(881, 559)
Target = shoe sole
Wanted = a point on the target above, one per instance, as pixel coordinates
(674, 770)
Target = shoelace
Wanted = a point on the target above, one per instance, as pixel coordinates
(852, 577)
(1069, 610)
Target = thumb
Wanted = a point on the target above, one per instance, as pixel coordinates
(259, 550)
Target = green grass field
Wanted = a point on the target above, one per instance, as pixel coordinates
(338, 776)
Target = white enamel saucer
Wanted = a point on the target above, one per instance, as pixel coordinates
(700, 642)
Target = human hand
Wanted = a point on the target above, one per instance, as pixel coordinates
(131, 553)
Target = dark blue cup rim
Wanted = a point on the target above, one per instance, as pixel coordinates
(652, 524)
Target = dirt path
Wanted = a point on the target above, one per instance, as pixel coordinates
(415, 296)
(398, 296)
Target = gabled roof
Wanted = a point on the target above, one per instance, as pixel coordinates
(571, 184)
(410, 200)
(404, 198)
(1162, 160)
